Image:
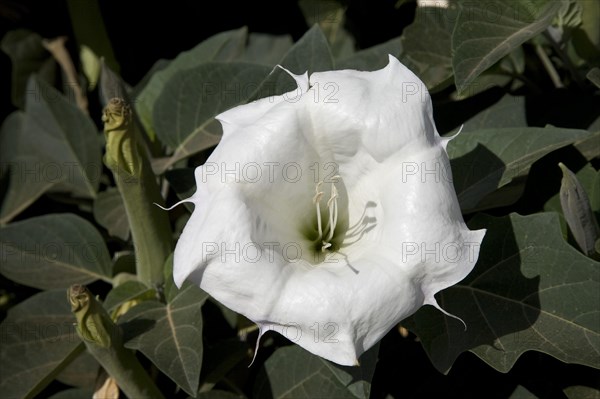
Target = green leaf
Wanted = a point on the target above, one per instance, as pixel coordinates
(508, 112)
(530, 290)
(81, 372)
(216, 394)
(310, 54)
(594, 76)
(220, 359)
(487, 31)
(373, 58)
(292, 372)
(485, 160)
(426, 45)
(521, 392)
(54, 251)
(128, 291)
(266, 49)
(73, 393)
(38, 341)
(28, 56)
(329, 16)
(582, 392)
(185, 110)
(53, 145)
(224, 46)
(170, 335)
(109, 212)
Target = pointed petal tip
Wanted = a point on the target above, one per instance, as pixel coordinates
(301, 80)
(174, 205)
(433, 302)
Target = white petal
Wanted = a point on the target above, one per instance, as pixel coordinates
(246, 243)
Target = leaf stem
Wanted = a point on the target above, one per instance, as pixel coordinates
(548, 66)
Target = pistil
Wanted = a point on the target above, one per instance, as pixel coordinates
(332, 208)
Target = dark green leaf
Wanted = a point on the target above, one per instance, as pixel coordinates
(109, 212)
(216, 394)
(74, 393)
(185, 110)
(170, 336)
(266, 49)
(373, 58)
(426, 45)
(292, 372)
(28, 56)
(530, 290)
(594, 76)
(508, 112)
(484, 160)
(38, 341)
(224, 46)
(488, 30)
(128, 291)
(81, 372)
(329, 16)
(310, 54)
(521, 392)
(582, 392)
(54, 251)
(52, 146)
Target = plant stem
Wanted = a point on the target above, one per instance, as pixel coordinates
(150, 227)
(104, 340)
(539, 50)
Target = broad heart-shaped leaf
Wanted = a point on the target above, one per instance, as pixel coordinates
(484, 160)
(185, 110)
(38, 340)
(530, 290)
(53, 251)
(488, 30)
(292, 372)
(426, 45)
(221, 47)
(109, 212)
(170, 335)
(52, 146)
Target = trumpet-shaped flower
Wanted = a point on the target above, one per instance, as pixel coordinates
(328, 214)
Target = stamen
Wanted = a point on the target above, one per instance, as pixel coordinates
(333, 213)
(316, 201)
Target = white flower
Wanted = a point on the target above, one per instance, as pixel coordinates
(328, 214)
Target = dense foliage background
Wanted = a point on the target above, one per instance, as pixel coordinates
(521, 76)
